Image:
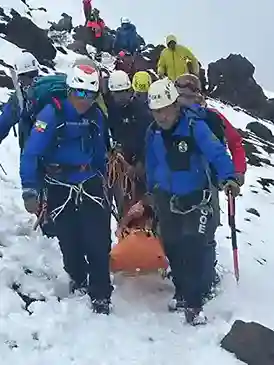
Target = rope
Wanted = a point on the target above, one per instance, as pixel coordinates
(118, 174)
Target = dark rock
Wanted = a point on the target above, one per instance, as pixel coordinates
(5, 81)
(78, 46)
(26, 298)
(261, 131)
(265, 182)
(61, 49)
(63, 25)
(22, 32)
(251, 343)
(232, 81)
(253, 211)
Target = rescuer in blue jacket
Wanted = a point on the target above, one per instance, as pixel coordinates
(26, 69)
(67, 154)
(178, 152)
(18, 111)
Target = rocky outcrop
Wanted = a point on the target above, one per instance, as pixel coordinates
(251, 343)
(22, 32)
(232, 80)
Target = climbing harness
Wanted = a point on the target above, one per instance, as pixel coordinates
(80, 192)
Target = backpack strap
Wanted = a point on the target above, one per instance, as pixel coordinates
(191, 124)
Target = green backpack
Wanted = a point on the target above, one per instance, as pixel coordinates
(44, 90)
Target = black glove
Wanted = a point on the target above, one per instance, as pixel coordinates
(31, 202)
(240, 178)
(231, 186)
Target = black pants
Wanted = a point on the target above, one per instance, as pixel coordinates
(83, 230)
(185, 239)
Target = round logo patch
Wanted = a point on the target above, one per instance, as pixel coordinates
(182, 146)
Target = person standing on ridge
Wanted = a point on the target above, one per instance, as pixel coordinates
(97, 26)
(176, 60)
(87, 7)
(126, 37)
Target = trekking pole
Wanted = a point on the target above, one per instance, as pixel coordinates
(232, 225)
(2, 168)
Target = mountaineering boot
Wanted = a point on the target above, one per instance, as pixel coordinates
(177, 304)
(76, 288)
(101, 306)
(195, 316)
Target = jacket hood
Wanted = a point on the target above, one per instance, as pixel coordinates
(129, 26)
(170, 38)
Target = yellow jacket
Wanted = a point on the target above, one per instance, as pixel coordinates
(178, 62)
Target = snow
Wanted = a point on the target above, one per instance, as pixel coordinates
(140, 331)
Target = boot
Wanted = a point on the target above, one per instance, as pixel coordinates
(177, 304)
(101, 306)
(76, 288)
(195, 316)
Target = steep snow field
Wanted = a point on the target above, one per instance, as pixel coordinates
(140, 331)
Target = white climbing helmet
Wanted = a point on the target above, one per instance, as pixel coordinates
(125, 20)
(162, 93)
(83, 77)
(26, 63)
(119, 81)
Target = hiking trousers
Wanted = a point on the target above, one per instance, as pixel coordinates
(185, 240)
(83, 229)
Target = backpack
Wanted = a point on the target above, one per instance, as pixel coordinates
(212, 119)
(44, 90)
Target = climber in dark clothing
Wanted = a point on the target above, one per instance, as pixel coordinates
(128, 120)
(126, 37)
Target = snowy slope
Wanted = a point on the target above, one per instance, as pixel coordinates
(140, 331)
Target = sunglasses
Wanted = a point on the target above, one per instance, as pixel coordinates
(187, 85)
(85, 94)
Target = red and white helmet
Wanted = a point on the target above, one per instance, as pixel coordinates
(83, 77)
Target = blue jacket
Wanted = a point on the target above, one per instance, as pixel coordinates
(69, 141)
(126, 39)
(128, 125)
(9, 117)
(199, 147)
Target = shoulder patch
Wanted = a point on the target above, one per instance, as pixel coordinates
(40, 126)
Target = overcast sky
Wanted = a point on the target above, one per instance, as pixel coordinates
(211, 28)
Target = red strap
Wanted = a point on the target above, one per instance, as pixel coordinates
(57, 103)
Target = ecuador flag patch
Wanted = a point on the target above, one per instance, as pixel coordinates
(40, 126)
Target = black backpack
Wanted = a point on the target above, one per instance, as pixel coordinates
(216, 124)
(212, 118)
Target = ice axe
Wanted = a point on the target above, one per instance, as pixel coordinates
(232, 225)
(2, 168)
